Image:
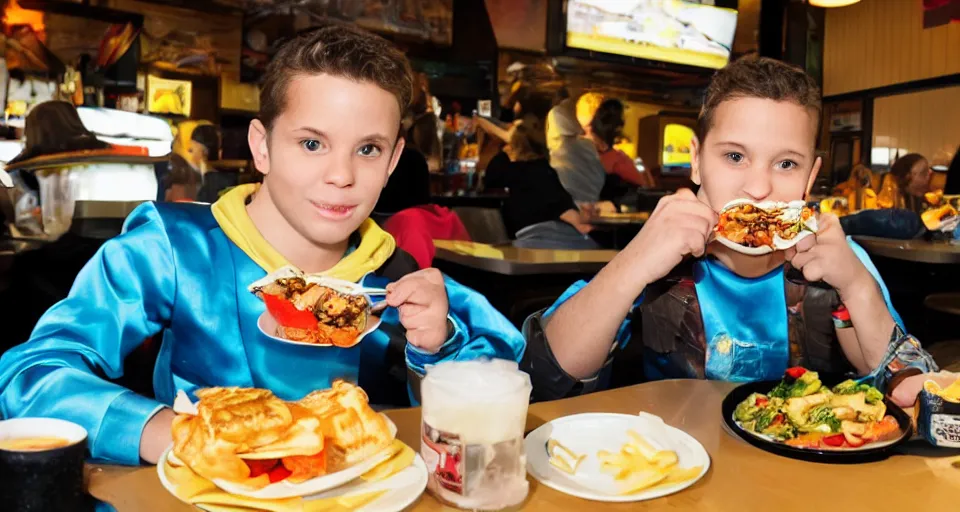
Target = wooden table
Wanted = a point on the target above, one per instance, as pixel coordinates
(917, 251)
(944, 302)
(511, 261)
(619, 219)
(741, 478)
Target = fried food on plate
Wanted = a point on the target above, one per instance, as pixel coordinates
(251, 437)
(354, 429)
(313, 309)
(766, 225)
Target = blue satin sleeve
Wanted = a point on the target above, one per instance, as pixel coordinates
(623, 332)
(479, 331)
(865, 259)
(120, 298)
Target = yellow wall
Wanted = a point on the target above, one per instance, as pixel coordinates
(631, 116)
(926, 122)
(875, 43)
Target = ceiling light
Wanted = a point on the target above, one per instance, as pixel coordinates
(832, 3)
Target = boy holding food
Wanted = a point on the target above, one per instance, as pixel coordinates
(723, 314)
(327, 138)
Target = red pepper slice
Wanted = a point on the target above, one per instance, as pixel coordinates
(778, 419)
(279, 473)
(261, 467)
(834, 440)
(796, 372)
(287, 315)
(761, 401)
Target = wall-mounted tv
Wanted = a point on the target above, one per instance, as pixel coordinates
(695, 33)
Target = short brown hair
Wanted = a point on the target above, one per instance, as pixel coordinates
(757, 77)
(340, 50)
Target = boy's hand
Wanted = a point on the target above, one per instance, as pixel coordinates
(421, 298)
(827, 257)
(156, 435)
(680, 225)
(905, 394)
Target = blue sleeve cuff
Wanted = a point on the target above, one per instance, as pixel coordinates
(118, 438)
(417, 359)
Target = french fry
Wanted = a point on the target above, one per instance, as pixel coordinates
(641, 480)
(640, 466)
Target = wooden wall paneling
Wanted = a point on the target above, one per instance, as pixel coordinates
(882, 42)
(926, 122)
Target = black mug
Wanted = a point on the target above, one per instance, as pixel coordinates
(41, 465)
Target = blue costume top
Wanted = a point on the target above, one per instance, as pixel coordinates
(719, 325)
(175, 271)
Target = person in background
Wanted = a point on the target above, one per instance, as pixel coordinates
(605, 129)
(204, 147)
(423, 134)
(55, 127)
(182, 183)
(952, 186)
(404, 211)
(538, 211)
(911, 174)
(573, 156)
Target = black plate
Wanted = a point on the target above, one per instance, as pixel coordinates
(813, 455)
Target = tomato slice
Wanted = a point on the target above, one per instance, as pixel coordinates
(761, 401)
(279, 473)
(287, 315)
(796, 372)
(834, 440)
(261, 467)
(778, 419)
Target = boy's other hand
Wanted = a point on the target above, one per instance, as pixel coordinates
(828, 257)
(156, 435)
(679, 226)
(421, 298)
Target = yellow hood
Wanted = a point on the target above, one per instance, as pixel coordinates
(376, 245)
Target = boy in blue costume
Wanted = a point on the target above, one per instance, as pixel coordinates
(327, 139)
(694, 308)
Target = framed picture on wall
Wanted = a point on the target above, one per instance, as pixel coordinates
(168, 96)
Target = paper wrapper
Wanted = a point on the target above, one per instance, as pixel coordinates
(938, 419)
(792, 208)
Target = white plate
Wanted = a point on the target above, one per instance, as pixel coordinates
(403, 488)
(268, 326)
(586, 434)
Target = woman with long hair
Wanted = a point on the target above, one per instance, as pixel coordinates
(912, 174)
(55, 127)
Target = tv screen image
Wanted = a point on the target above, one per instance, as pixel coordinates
(676, 147)
(675, 31)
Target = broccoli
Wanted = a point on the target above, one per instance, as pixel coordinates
(823, 415)
(850, 387)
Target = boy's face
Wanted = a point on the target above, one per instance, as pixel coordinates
(328, 155)
(757, 149)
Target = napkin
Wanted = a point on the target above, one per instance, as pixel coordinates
(194, 489)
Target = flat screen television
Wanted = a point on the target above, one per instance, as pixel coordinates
(684, 32)
(665, 143)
